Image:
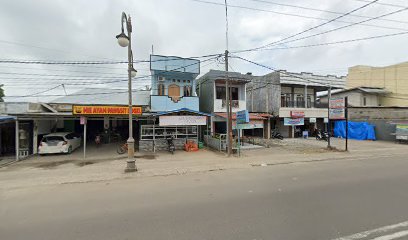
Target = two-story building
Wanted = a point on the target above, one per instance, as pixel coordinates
(291, 100)
(174, 105)
(211, 89)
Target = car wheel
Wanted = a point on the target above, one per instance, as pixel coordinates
(69, 150)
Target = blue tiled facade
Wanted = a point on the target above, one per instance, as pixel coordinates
(173, 83)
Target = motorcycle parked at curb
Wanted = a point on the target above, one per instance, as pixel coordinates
(322, 135)
(276, 135)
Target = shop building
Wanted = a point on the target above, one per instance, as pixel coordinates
(174, 104)
(212, 93)
(291, 100)
(171, 107)
(300, 109)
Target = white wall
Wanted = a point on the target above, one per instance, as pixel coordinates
(218, 106)
(309, 112)
(241, 96)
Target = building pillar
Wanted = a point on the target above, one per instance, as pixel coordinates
(268, 129)
(35, 137)
(17, 141)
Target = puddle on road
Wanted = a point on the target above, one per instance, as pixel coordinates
(51, 165)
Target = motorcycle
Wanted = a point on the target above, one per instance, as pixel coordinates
(277, 135)
(322, 135)
(170, 144)
(122, 148)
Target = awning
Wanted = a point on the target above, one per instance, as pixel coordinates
(252, 116)
(182, 110)
(4, 119)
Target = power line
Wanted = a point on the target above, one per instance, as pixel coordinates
(50, 49)
(321, 10)
(55, 62)
(283, 73)
(323, 24)
(328, 31)
(49, 89)
(209, 59)
(294, 15)
(337, 42)
(384, 4)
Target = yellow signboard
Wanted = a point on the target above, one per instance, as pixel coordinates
(104, 110)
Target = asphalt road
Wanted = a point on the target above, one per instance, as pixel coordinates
(323, 200)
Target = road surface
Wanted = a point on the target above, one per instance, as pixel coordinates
(362, 199)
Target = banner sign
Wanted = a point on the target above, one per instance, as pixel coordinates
(182, 120)
(337, 113)
(337, 103)
(104, 110)
(293, 121)
(82, 120)
(242, 116)
(297, 114)
(337, 108)
(248, 126)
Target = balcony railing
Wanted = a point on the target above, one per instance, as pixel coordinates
(301, 104)
(234, 103)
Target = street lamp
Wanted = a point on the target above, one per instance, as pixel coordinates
(125, 41)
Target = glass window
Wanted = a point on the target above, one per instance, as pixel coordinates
(69, 136)
(53, 139)
(160, 91)
(220, 92)
(187, 91)
(234, 93)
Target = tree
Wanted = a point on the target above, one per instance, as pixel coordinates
(1, 93)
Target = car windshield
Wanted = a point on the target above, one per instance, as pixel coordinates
(53, 139)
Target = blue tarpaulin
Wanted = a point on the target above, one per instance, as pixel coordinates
(356, 130)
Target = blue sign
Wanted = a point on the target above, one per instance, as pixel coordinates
(294, 121)
(243, 117)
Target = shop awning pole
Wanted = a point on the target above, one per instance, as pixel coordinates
(86, 122)
(17, 141)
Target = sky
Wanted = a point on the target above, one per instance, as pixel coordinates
(78, 30)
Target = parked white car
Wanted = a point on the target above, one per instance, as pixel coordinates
(63, 142)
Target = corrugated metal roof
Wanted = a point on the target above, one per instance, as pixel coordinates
(253, 116)
(218, 74)
(106, 96)
(310, 79)
(6, 118)
(182, 110)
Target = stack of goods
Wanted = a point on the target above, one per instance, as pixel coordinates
(190, 146)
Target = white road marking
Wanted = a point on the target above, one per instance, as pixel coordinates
(392, 236)
(373, 231)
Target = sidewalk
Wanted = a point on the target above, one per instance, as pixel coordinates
(61, 170)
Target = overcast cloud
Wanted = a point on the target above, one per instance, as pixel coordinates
(85, 30)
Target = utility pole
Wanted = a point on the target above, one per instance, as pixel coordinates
(328, 118)
(227, 105)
